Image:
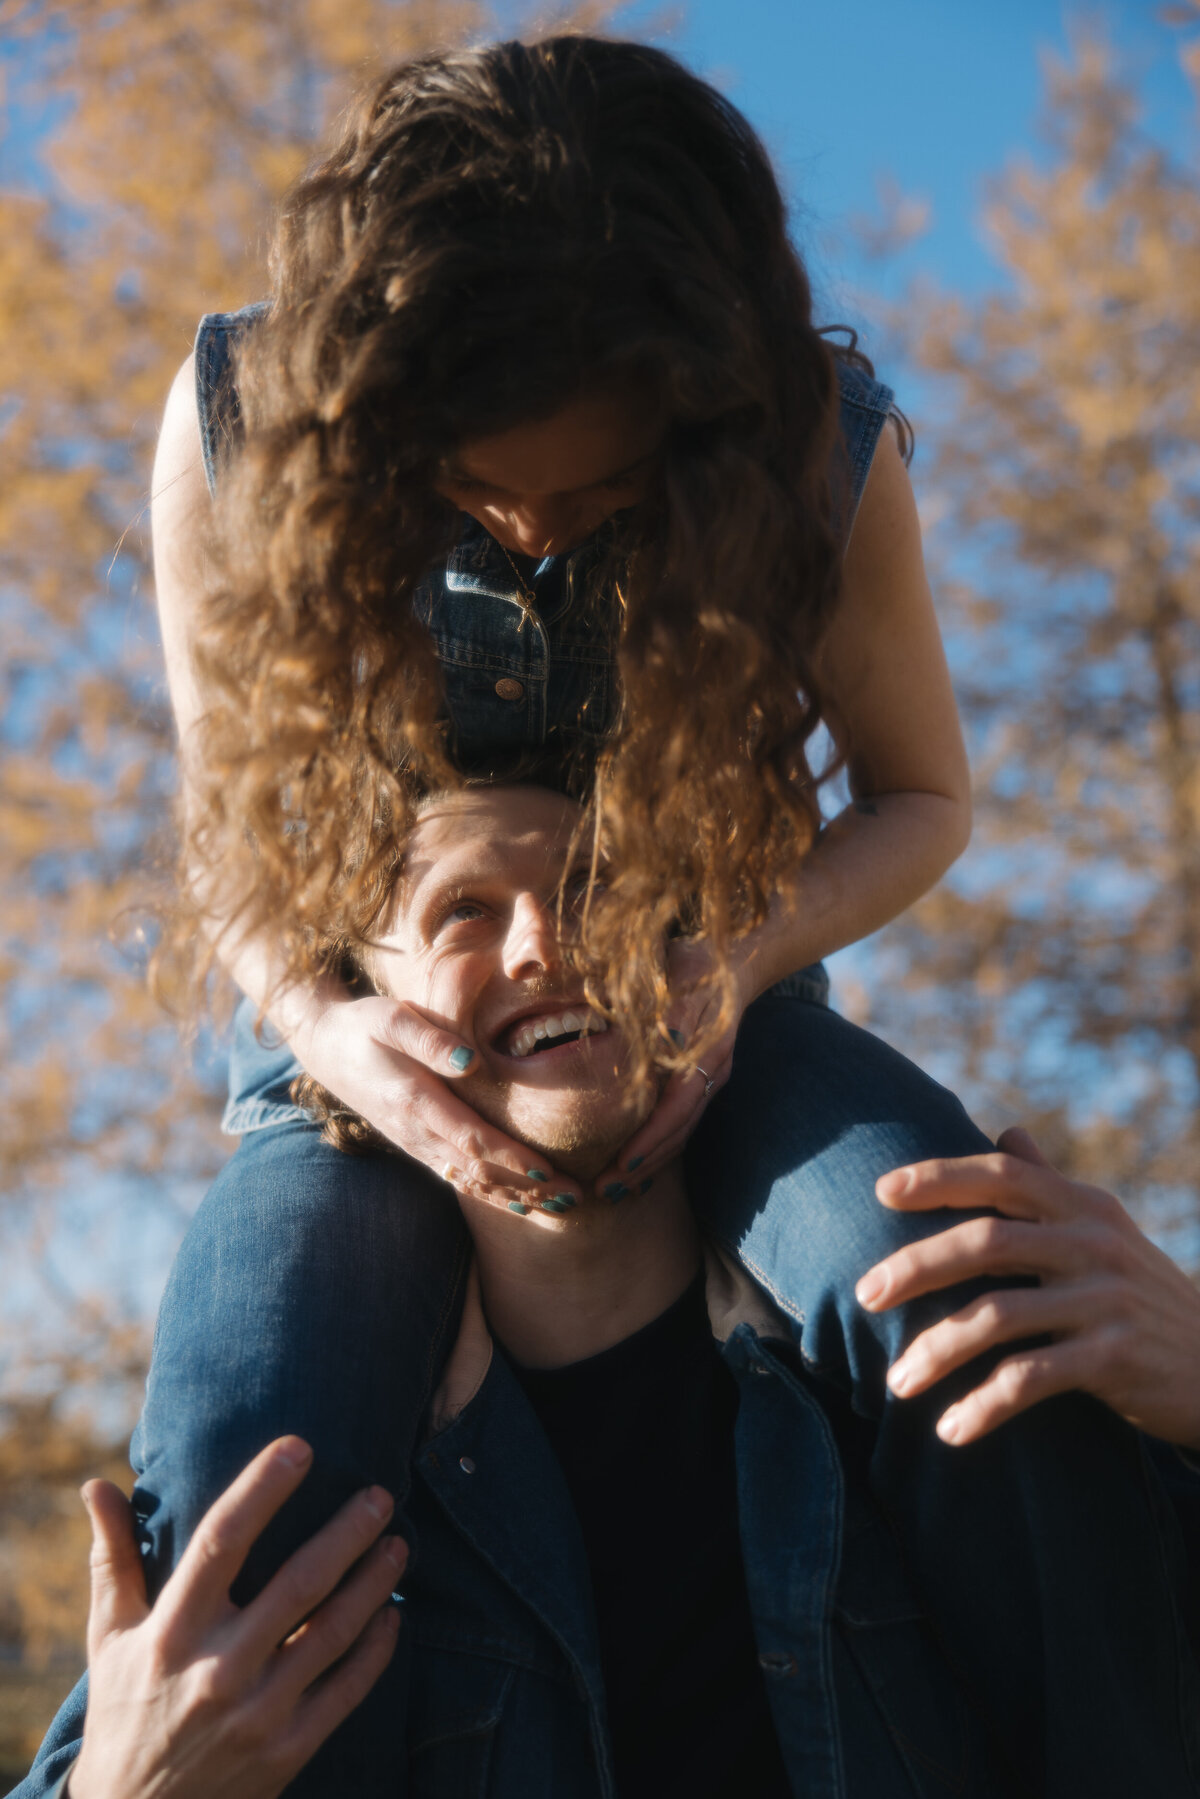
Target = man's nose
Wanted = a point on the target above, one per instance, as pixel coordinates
(531, 945)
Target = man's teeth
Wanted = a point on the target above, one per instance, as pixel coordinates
(567, 1024)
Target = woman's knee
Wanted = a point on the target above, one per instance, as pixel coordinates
(293, 1230)
(784, 1168)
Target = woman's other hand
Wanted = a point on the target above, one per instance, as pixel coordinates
(198, 1697)
(392, 1065)
(1123, 1320)
(685, 1095)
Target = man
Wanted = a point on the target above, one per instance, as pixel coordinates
(651, 1550)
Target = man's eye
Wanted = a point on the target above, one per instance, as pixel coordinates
(462, 912)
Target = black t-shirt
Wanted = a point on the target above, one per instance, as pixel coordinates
(644, 1434)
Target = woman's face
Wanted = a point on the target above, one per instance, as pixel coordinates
(541, 488)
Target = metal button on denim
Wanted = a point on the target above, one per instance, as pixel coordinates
(777, 1661)
(508, 689)
(466, 1464)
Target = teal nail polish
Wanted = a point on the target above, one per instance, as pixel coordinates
(462, 1057)
(537, 1174)
(518, 1205)
(635, 1162)
(677, 1038)
(646, 1185)
(616, 1190)
(551, 1205)
(565, 1200)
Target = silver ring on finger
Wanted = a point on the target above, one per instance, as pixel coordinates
(709, 1083)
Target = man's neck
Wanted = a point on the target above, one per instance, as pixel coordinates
(559, 1290)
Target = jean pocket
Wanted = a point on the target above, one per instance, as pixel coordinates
(456, 1701)
(896, 1658)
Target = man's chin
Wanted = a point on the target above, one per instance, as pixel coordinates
(579, 1130)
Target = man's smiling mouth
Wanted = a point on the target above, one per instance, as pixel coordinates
(538, 1032)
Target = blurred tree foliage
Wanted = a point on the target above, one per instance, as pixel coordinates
(1061, 963)
(1060, 967)
(146, 142)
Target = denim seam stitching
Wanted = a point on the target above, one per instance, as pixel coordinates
(481, 1728)
(461, 1265)
(1186, 1737)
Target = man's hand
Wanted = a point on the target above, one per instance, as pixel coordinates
(1123, 1320)
(197, 1697)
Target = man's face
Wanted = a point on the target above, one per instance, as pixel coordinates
(474, 945)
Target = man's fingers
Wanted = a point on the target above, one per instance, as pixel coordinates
(1016, 1141)
(964, 1252)
(336, 1694)
(1020, 1381)
(988, 1321)
(117, 1577)
(198, 1591)
(1010, 1183)
(332, 1631)
(309, 1576)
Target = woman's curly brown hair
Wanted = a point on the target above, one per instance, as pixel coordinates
(496, 231)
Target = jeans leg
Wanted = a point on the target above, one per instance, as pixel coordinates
(315, 1293)
(783, 1168)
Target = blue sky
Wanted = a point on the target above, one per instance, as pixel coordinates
(937, 94)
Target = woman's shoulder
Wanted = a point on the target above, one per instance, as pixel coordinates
(864, 407)
(860, 391)
(216, 393)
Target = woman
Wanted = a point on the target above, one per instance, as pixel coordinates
(536, 449)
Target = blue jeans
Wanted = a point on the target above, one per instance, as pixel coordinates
(317, 1293)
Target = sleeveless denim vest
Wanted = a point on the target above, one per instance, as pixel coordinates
(521, 681)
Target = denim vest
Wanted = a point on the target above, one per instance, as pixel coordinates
(520, 681)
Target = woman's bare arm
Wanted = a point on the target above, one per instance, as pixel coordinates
(387, 1062)
(890, 702)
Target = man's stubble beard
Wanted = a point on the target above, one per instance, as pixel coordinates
(579, 1130)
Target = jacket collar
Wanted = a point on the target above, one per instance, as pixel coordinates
(731, 1296)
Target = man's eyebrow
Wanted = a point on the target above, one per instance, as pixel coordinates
(430, 889)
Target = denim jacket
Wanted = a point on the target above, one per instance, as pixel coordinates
(505, 1691)
(999, 1622)
(519, 679)
(506, 1696)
